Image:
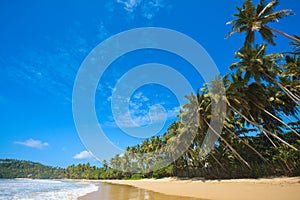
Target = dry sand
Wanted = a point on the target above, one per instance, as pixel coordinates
(240, 189)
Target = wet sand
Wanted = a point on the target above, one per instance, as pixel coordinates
(240, 189)
(109, 191)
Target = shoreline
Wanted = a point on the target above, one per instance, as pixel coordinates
(232, 189)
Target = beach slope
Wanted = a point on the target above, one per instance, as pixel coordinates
(240, 189)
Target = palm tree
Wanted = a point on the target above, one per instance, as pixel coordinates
(105, 165)
(254, 63)
(296, 45)
(198, 113)
(250, 105)
(253, 18)
(262, 97)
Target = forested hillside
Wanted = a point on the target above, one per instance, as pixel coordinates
(10, 168)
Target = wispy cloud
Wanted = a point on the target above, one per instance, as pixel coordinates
(33, 143)
(139, 112)
(133, 120)
(140, 96)
(103, 32)
(130, 5)
(151, 8)
(53, 69)
(147, 8)
(84, 155)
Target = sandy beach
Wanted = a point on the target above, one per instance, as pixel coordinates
(239, 189)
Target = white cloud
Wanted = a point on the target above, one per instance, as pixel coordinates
(139, 107)
(84, 155)
(141, 117)
(103, 33)
(130, 5)
(173, 112)
(150, 8)
(33, 143)
(138, 95)
(147, 8)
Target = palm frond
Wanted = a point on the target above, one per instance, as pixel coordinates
(275, 16)
(268, 8)
(296, 45)
(260, 6)
(268, 36)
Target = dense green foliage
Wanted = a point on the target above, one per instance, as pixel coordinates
(260, 136)
(10, 168)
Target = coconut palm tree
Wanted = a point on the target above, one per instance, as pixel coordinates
(249, 105)
(262, 97)
(254, 63)
(296, 45)
(251, 18)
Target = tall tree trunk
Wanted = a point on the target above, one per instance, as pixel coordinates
(235, 153)
(261, 128)
(248, 145)
(285, 90)
(282, 33)
(279, 120)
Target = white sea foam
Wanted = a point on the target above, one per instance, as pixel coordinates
(44, 189)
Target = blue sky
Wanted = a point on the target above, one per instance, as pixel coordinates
(43, 44)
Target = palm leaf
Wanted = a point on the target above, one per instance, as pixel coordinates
(268, 8)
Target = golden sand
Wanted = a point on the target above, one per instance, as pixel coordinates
(239, 189)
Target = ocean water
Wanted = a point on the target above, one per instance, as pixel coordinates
(16, 189)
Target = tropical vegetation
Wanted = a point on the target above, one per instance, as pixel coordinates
(260, 136)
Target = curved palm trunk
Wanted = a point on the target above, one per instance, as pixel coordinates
(287, 166)
(289, 52)
(289, 93)
(269, 139)
(248, 145)
(261, 128)
(253, 120)
(279, 120)
(219, 163)
(230, 147)
(282, 33)
(287, 117)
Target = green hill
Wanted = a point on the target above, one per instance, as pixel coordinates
(10, 168)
